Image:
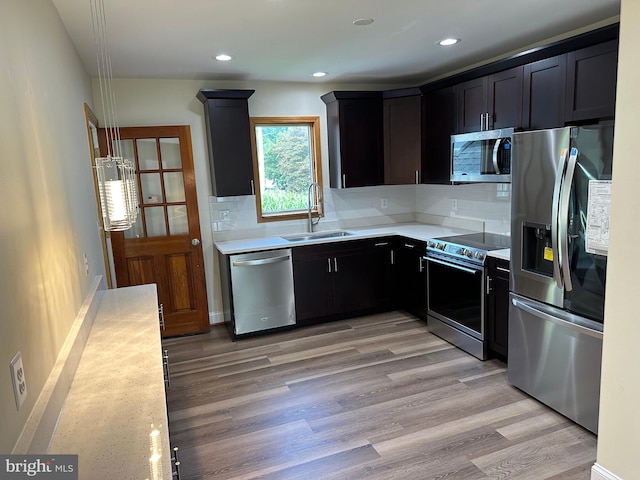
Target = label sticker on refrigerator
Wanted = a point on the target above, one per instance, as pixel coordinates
(548, 254)
(598, 210)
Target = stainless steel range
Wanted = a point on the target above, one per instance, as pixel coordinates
(456, 288)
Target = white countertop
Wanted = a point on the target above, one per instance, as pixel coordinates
(504, 254)
(416, 231)
(115, 416)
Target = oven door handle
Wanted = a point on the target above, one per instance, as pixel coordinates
(453, 265)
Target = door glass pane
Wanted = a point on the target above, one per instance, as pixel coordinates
(154, 217)
(151, 188)
(136, 230)
(147, 153)
(178, 224)
(126, 147)
(174, 187)
(170, 153)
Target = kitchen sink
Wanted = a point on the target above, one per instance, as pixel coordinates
(303, 237)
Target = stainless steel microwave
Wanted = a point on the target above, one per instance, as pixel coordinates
(481, 156)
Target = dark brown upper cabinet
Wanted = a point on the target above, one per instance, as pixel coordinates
(491, 102)
(591, 82)
(402, 140)
(229, 140)
(439, 123)
(544, 93)
(354, 123)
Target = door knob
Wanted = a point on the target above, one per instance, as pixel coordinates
(195, 242)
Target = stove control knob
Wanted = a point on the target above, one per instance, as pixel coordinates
(431, 244)
(479, 255)
(468, 253)
(441, 246)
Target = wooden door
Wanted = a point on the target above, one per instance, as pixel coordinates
(163, 246)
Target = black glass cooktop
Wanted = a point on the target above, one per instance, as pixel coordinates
(483, 241)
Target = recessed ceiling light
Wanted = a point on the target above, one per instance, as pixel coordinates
(223, 57)
(363, 21)
(445, 42)
(319, 74)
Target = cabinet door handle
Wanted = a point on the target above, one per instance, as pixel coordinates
(420, 265)
(408, 245)
(381, 244)
(393, 259)
(488, 281)
(481, 121)
(165, 368)
(329, 264)
(344, 180)
(502, 269)
(253, 188)
(335, 264)
(417, 177)
(161, 315)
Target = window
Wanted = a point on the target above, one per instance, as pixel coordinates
(286, 160)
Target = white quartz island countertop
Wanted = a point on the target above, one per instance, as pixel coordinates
(416, 231)
(115, 415)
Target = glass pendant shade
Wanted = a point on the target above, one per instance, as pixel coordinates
(118, 193)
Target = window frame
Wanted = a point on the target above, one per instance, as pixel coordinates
(313, 122)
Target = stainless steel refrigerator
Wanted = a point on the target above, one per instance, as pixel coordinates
(561, 184)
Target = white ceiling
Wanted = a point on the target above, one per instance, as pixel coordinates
(288, 40)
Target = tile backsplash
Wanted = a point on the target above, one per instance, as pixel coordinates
(477, 207)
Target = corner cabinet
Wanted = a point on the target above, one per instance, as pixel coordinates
(354, 123)
(229, 141)
(402, 129)
(497, 306)
(591, 82)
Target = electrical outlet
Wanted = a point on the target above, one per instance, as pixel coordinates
(224, 214)
(18, 380)
(86, 264)
(383, 203)
(454, 204)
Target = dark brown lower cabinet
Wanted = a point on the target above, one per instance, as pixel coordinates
(411, 277)
(334, 280)
(497, 306)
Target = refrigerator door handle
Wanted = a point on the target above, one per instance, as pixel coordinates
(557, 189)
(496, 148)
(563, 221)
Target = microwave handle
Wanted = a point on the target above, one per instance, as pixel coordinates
(496, 148)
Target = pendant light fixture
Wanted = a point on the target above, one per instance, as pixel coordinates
(117, 184)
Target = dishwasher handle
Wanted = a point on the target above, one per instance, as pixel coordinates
(261, 261)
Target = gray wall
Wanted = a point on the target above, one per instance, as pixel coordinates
(47, 201)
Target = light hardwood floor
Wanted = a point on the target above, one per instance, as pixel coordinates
(374, 397)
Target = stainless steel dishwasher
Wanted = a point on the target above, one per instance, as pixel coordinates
(262, 290)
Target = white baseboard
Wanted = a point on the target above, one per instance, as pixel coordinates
(41, 424)
(216, 318)
(598, 472)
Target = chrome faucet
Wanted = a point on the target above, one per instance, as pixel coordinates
(311, 204)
